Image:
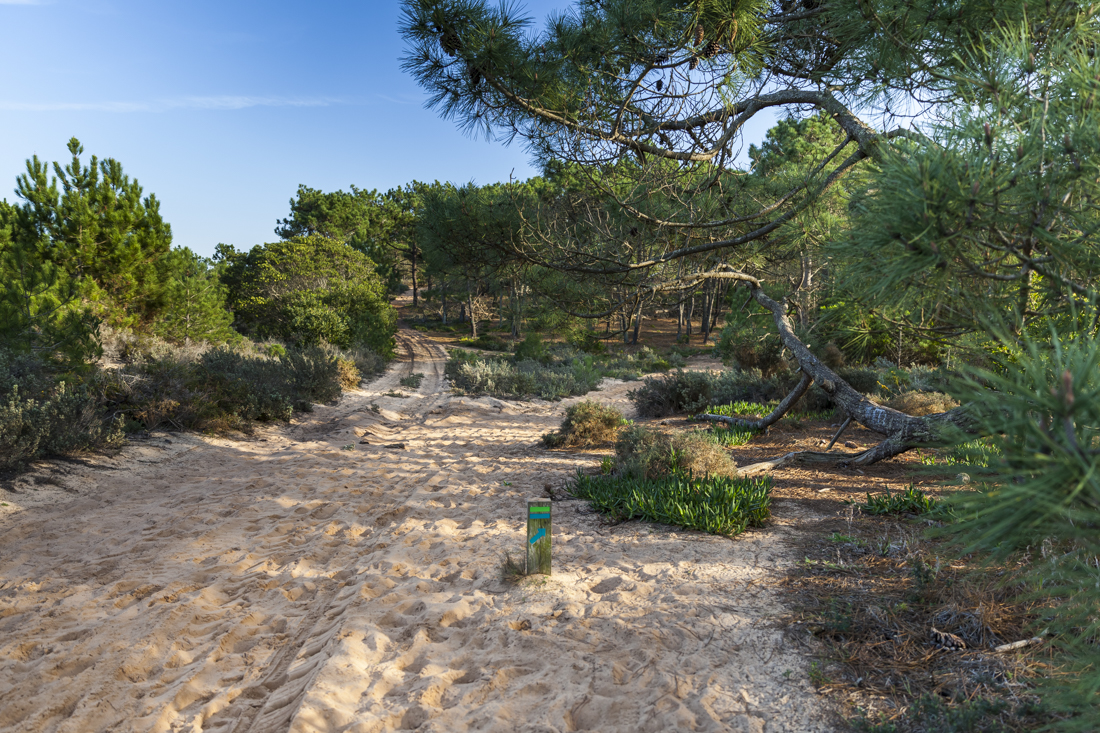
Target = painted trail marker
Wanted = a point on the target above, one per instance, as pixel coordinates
(538, 536)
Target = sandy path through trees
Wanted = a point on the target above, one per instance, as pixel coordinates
(287, 584)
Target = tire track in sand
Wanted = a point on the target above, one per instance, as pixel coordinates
(290, 585)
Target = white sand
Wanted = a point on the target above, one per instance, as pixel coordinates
(285, 584)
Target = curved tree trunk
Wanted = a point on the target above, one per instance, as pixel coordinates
(903, 432)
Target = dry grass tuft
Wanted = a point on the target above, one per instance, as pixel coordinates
(920, 404)
(348, 373)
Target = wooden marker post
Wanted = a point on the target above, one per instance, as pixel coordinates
(538, 536)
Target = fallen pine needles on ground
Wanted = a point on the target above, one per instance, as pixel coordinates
(908, 638)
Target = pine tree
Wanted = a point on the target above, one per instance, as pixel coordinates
(99, 229)
(40, 305)
(195, 303)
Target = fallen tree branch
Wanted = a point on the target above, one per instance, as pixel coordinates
(1017, 644)
(781, 409)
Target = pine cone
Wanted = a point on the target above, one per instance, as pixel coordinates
(475, 74)
(660, 84)
(947, 640)
(711, 50)
(693, 62)
(698, 34)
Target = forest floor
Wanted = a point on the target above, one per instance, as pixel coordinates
(344, 574)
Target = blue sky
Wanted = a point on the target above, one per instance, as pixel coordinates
(222, 108)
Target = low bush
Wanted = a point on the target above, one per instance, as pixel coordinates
(532, 348)
(42, 413)
(347, 373)
(223, 388)
(586, 340)
(642, 452)
(487, 342)
(412, 381)
(691, 392)
(919, 404)
(368, 361)
(554, 372)
(501, 378)
(715, 504)
(586, 424)
(681, 391)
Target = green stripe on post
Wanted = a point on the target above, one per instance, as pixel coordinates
(538, 536)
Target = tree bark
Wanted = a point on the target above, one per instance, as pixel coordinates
(903, 432)
(781, 409)
(415, 296)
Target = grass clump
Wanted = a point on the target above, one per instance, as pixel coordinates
(716, 504)
(728, 436)
(910, 501)
(586, 424)
(644, 453)
(412, 381)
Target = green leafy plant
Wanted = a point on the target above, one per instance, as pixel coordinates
(910, 501)
(715, 504)
(412, 381)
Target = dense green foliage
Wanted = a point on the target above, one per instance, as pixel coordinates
(1042, 409)
(307, 290)
(715, 504)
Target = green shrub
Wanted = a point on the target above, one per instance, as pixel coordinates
(691, 392)
(368, 361)
(531, 347)
(472, 374)
(864, 380)
(412, 381)
(586, 424)
(715, 504)
(487, 342)
(222, 388)
(41, 414)
(308, 290)
(586, 340)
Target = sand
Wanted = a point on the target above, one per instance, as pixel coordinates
(342, 574)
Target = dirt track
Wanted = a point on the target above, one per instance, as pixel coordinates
(287, 583)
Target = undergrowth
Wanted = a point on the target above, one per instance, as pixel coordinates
(910, 501)
(716, 504)
(586, 424)
(149, 384)
(548, 372)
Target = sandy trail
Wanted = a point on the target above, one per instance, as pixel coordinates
(285, 583)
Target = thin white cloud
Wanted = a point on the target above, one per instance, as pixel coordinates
(224, 102)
